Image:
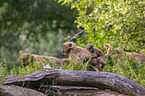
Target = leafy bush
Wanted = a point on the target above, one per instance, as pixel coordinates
(119, 23)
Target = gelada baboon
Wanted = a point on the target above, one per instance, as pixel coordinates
(25, 57)
(98, 62)
(73, 50)
(119, 52)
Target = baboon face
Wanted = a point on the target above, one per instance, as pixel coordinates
(67, 47)
(90, 47)
(116, 52)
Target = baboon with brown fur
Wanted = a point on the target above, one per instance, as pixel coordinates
(73, 50)
(86, 53)
(25, 59)
(119, 52)
(98, 62)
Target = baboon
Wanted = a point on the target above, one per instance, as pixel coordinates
(25, 59)
(99, 62)
(119, 52)
(95, 51)
(86, 53)
(73, 50)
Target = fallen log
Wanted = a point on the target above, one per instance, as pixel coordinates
(100, 80)
(79, 91)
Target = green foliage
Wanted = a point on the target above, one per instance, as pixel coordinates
(120, 23)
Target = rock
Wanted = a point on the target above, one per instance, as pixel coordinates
(11, 90)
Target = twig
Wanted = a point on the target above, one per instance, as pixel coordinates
(77, 34)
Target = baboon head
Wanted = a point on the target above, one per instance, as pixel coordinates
(116, 52)
(67, 47)
(90, 47)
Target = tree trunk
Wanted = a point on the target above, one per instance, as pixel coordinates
(100, 80)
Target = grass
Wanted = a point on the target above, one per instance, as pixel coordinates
(17, 70)
(131, 69)
(71, 65)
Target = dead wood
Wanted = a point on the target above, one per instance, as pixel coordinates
(79, 91)
(100, 80)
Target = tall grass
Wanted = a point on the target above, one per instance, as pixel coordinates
(3, 72)
(71, 65)
(17, 70)
(130, 68)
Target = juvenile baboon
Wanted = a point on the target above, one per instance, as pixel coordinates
(95, 51)
(119, 52)
(99, 62)
(73, 50)
(25, 57)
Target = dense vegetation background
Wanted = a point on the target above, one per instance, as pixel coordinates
(41, 26)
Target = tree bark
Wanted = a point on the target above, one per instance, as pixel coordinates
(100, 80)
